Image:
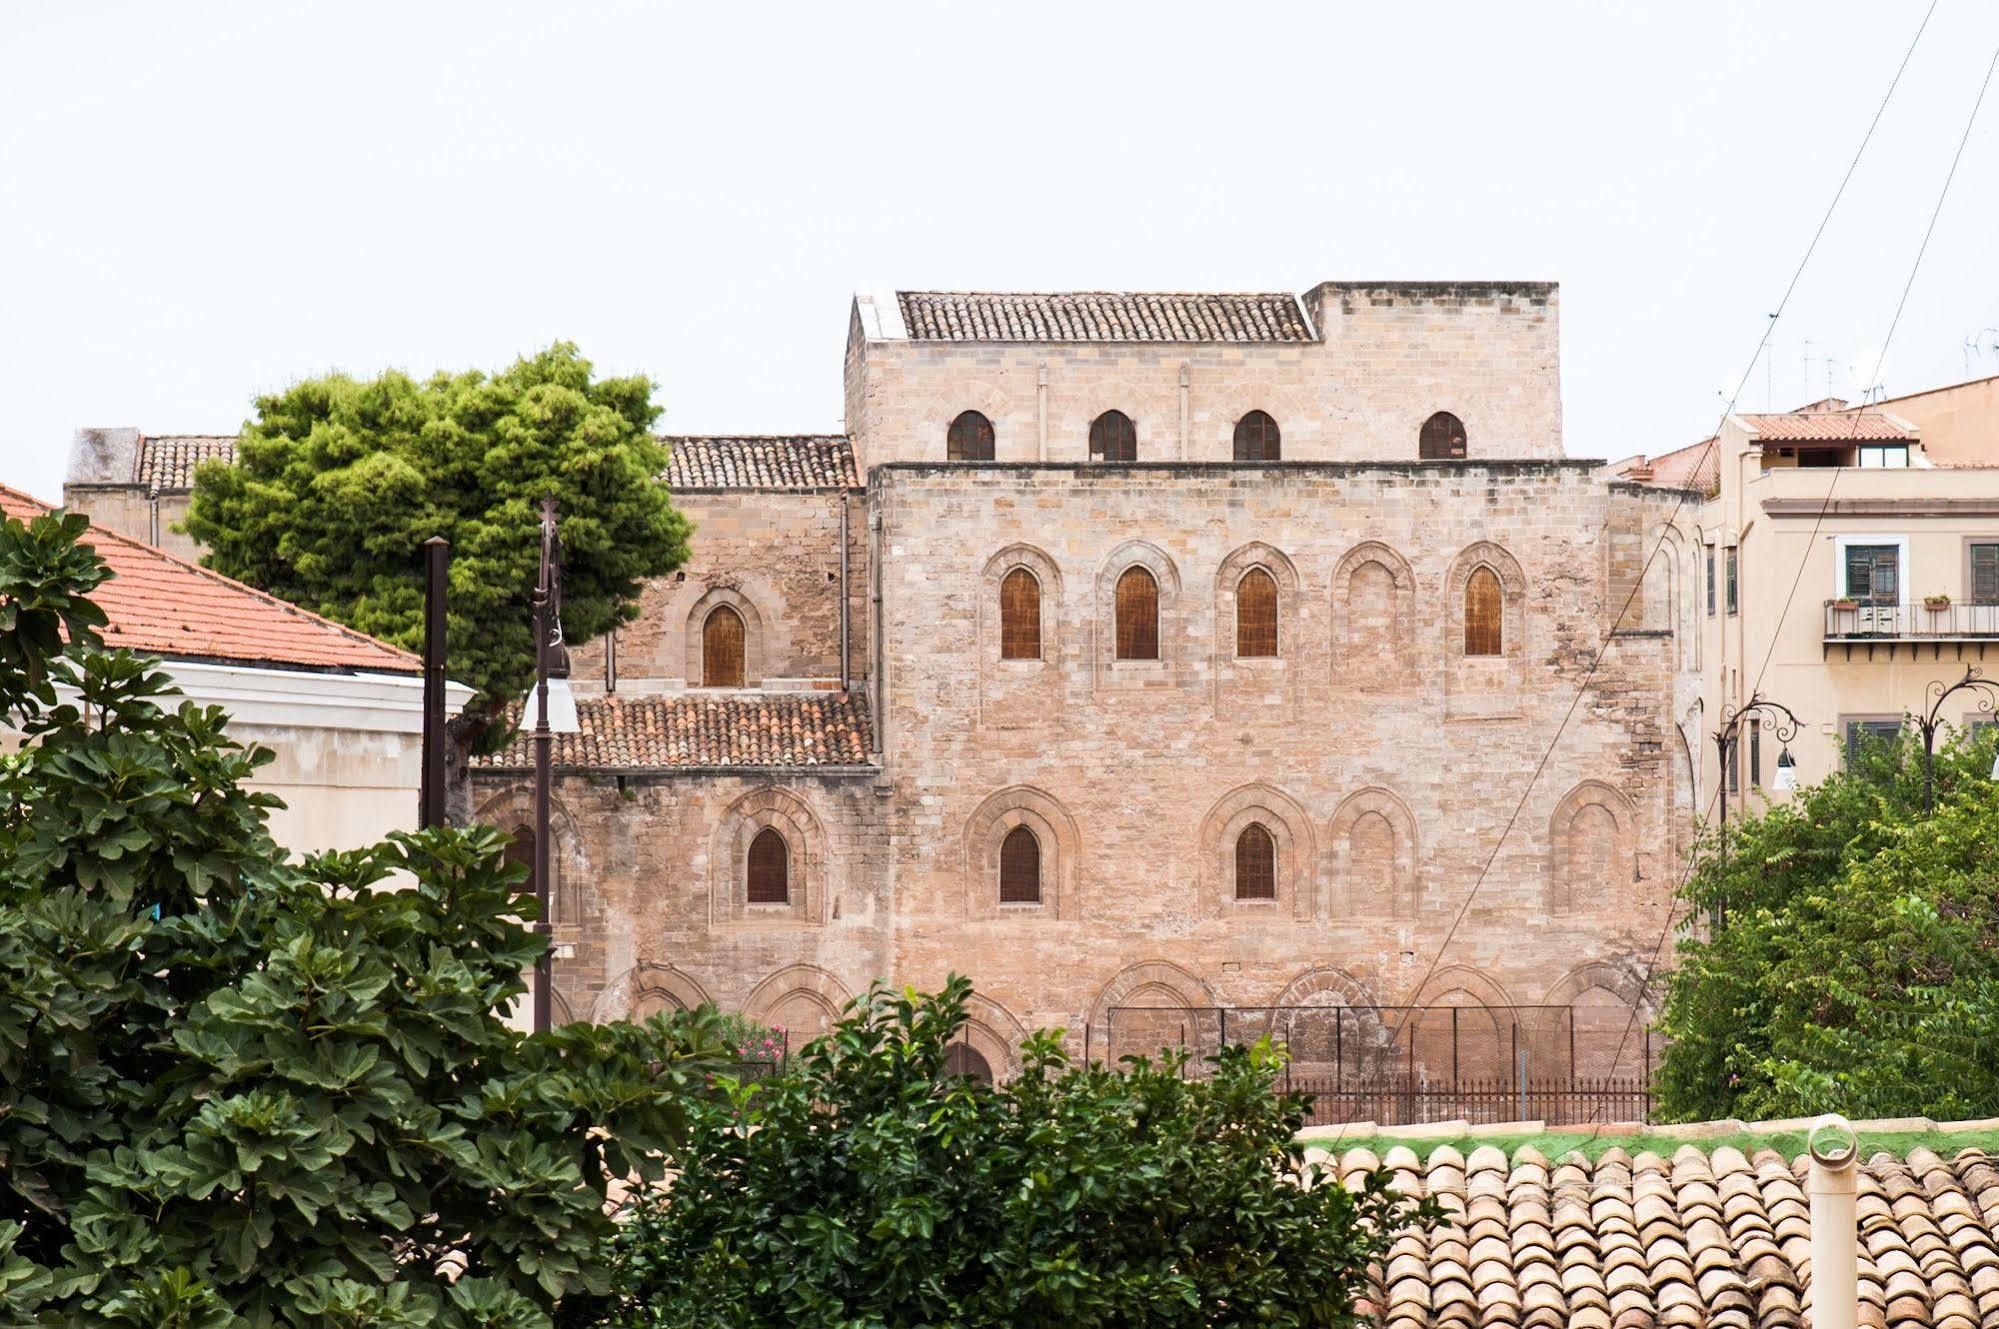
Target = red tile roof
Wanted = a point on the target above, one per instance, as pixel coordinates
(159, 604)
(1830, 427)
(1102, 316)
(167, 461)
(1697, 467)
(706, 729)
(760, 461)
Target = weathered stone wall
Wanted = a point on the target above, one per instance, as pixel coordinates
(128, 510)
(774, 556)
(1389, 356)
(1385, 763)
(648, 886)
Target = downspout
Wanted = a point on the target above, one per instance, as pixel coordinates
(1041, 412)
(1186, 413)
(153, 527)
(846, 500)
(1835, 1274)
(877, 683)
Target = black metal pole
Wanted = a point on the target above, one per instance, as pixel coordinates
(430, 783)
(544, 745)
(1973, 681)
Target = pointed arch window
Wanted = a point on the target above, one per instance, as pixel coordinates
(770, 868)
(520, 849)
(1020, 867)
(1255, 863)
(1256, 615)
(968, 1062)
(1020, 616)
(1256, 437)
(1484, 606)
(722, 648)
(1113, 437)
(1442, 439)
(970, 438)
(1137, 615)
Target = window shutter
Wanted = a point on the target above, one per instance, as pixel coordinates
(770, 869)
(1020, 867)
(1255, 864)
(1484, 605)
(1113, 437)
(970, 438)
(1020, 616)
(722, 648)
(1256, 615)
(1985, 574)
(1137, 615)
(1256, 438)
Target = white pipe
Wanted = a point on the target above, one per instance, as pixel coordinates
(1834, 1181)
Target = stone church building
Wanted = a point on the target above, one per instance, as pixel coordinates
(1131, 650)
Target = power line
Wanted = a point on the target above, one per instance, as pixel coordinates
(1797, 577)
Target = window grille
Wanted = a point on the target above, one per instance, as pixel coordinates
(1137, 615)
(1020, 616)
(1113, 437)
(1020, 867)
(1442, 439)
(970, 438)
(1256, 614)
(722, 648)
(1484, 605)
(770, 869)
(1256, 438)
(1255, 864)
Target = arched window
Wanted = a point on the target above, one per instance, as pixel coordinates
(520, 850)
(964, 1060)
(722, 648)
(1137, 615)
(1442, 439)
(1020, 867)
(1256, 614)
(1256, 437)
(770, 869)
(1484, 603)
(1113, 437)
(970, 438)
(1255, 864)
(1020, 616)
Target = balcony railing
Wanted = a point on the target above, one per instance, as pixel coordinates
(1849, 623)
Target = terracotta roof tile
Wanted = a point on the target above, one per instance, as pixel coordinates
(1102, 316)
(1717, 1241)
(706, 729)
(804, 461)
(1830, 427)
(167, 461)
(159, 604)
(1696, 467)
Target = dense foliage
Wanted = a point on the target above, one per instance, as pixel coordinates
(338, 482)
(868, 1188)
(238, 1092)
(1856, 964)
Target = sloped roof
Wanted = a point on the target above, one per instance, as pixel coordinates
(159, 604)
(789, 730)
(1706, 1240)
(1102, 316)
(167, 461)
(1811, 426)
(760, 461)
(1696, 467)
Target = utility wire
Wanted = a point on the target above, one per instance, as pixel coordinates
(1818, 521)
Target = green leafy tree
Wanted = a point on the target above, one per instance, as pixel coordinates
(237, 1091)
(1855, 966)
(338, 482)
(868, 1188)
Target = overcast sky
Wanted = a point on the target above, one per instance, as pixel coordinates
(204, 201)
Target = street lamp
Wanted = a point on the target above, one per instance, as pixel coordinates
(554, 709)
(1758, 710)
(1974, 680)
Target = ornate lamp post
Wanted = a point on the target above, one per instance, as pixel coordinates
(1758, 710)
(551, 666)
(1938, 692)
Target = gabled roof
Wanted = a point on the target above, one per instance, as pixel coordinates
(692, 730)
(1811, 426)
(163, 606)
(1696, 467)
(1704, 1240)
(760, 461)
(167, 461)
(1102, 316)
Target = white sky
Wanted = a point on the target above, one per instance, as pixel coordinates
(207, 200)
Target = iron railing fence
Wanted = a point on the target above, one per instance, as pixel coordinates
(1859, 620)
(1411, 1064)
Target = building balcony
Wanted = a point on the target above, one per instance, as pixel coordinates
(1850, 624)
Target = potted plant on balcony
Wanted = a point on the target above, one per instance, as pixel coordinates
(1845, 603)
(1936, 604)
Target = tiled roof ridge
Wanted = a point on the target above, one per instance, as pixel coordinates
(1059, 295)
(707, 729)
(1106, 317)
(756, 438)
(100, 532)
(760, 461)
(1690, 1132)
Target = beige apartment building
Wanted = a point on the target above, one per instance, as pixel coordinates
(1839, 560)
